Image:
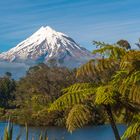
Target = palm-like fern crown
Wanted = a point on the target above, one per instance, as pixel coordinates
(118, 72)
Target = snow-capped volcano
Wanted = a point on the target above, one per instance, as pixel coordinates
(48, 46)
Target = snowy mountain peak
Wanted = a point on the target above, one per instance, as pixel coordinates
(49, 29)
(46, 45)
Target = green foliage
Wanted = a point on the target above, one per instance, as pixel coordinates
(43, 80)
(78, 87)
(106, 95)
(109, 51)
(78, 116)
(124, 43)
(82, 93)
(131, 61)
(75, 94)
(117, 77)
(103, 68)
(79, 99)
(7, 88)
(127, 79)
(34, 112)
(100, 69)
(35, 92)
(109, 84)
(133, 130)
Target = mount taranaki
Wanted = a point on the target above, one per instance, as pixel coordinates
(46, 46)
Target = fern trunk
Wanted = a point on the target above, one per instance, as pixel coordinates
(112, 122)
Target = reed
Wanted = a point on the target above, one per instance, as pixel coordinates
(8, 133)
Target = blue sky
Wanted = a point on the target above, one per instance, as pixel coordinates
(83, 20)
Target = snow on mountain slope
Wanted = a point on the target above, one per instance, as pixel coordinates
(48, 46)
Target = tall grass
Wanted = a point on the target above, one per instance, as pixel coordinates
(8, 134)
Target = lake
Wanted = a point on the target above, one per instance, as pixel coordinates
(103, 132)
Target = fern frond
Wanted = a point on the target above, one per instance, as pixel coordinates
(97, 67)
(72, 97)
(133, 131)
(131, 61)
(109, 51)
(105, 95)
(118, 78)
(78, 86)
(129, 85)
(100, 44)
(78, 116)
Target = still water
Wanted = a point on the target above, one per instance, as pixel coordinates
(103, 132)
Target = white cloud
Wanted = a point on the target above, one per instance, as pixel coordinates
(17, 69)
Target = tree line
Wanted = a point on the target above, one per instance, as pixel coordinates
(106, 89)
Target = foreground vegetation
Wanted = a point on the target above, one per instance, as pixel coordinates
(8, 134)
(29, 100)
(106, 89)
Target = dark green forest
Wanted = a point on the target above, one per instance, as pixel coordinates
(104, 90)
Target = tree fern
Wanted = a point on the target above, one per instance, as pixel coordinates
(117, 74)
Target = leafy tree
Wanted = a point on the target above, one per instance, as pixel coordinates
(7, 88)
(40, 87)
(43, 80)
(124, 43)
